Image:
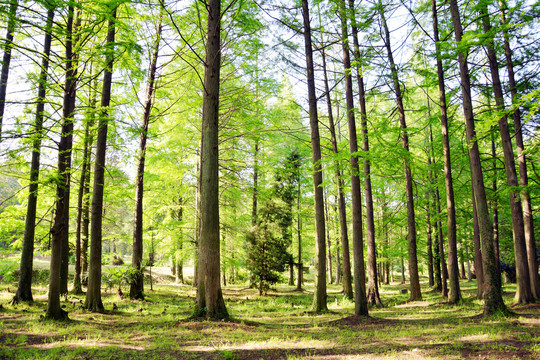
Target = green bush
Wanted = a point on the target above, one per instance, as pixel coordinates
(9, 268)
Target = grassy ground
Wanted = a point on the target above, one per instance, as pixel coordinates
(277, 326)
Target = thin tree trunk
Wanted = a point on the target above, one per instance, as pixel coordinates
(455, 292)
(6, 59)
(300, 278)
(24, 290)
(477, 253)
(360, 298)
(440, 239)
(493, 301)
(329, 245)
(495, 206)
(413, 261)
(528, 220)
(431, 278)
(319, 295)
(54, 311)
(81, 261)
(373, 297)
(136, 290)
(524, 293)
(65, 148)
(344, 236)
(178, 262)
(210, 303)
(93, 295)
(255, 183)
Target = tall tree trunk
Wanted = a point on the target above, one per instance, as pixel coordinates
(319, 295)
(255, 183)
(300, 277)
(455, 292)
(528, 220)
(373, 297)
(136, 290)
(429, 241)
(65, 148)
(178, 262)
(81, 232)
(210, 303)
(360, 298)
(493, 301)
(54, 311)
(344, 236)
(413, 261)
(87, 175)
(24, 290)
(524, 293)
(6, 59)
(440, 239)
(495, 206)
(329, 245)
(477, 253)
(93, 295)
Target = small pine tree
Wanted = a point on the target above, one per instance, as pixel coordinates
(267, 246)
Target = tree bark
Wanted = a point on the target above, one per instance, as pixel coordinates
(81, 261)
(255, 183)
(413, 261)
(455, 292)
(93, 295)
(344, 236)
(54, 311)
(136, 290)
(373, 297)
(528, 220)
(6, 59)
(524, 293)
(300, 278)
(24, 290)
(210, 303)
(477, 253)
(493, 301)
(319, 295)
(360, 298)
(61, 225)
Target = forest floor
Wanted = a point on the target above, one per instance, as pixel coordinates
(276, 326)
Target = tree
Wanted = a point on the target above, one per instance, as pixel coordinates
(528, 222)
(24, 290)
(524, 294)
(344, 236)
(210, 303)
(373, 297)
(411, 221)
(493, 301)
(137, 282)
(319, 296)
(93, 295)
(268, 243)
(455, 293)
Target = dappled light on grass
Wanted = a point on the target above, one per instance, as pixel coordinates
(277, 326)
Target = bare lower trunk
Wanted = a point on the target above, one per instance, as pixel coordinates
(477, 254)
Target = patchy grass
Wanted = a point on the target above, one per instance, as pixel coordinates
(277, 326)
